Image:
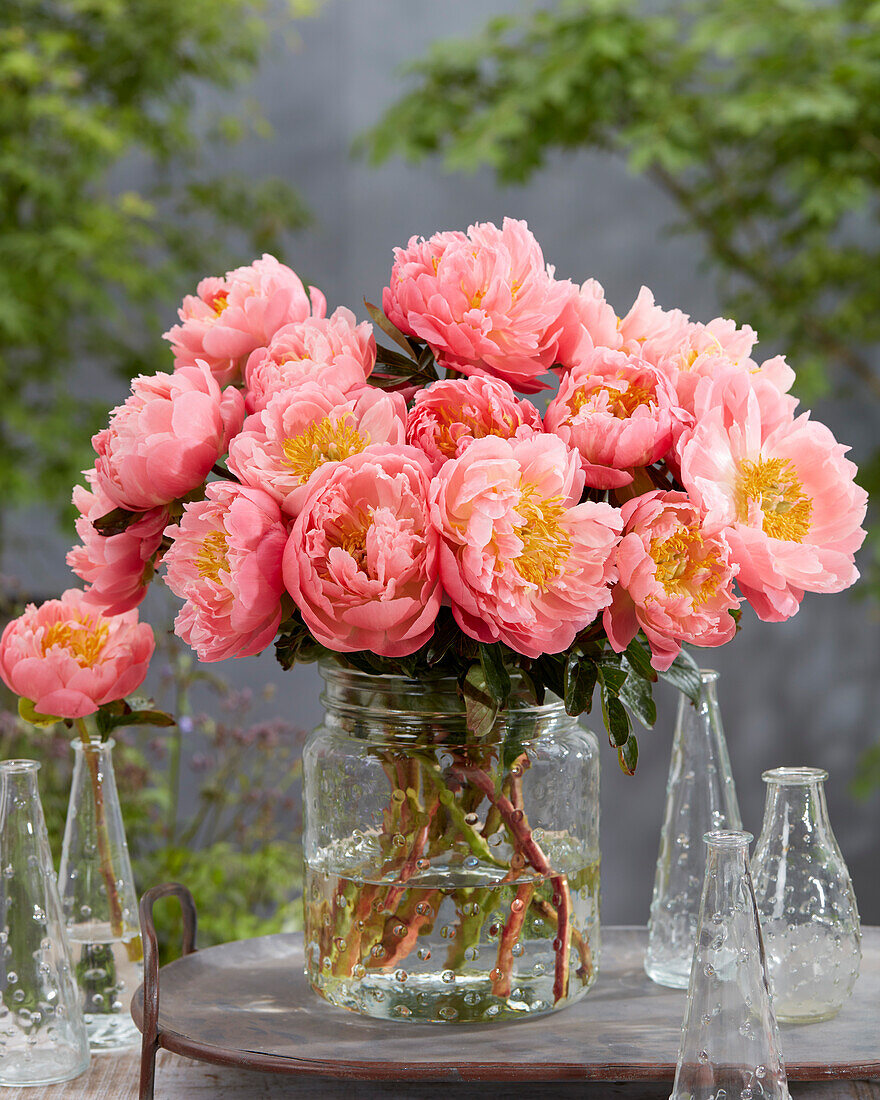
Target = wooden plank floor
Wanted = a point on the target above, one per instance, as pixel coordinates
(114, 1077)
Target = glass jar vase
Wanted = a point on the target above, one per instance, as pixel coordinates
(448, 877)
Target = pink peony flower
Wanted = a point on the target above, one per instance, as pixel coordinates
(650, 331)
(780, 488)
(162, 443)
(618, 411)
(361, 562)
(587, 322)
(676, 579)
(228, 318)
(484, 301)
(68, 659)
(334, 350)
(117, 568)
(520, 559)
(448, 416)
(707, 351)
(225, 561)
(281, 448)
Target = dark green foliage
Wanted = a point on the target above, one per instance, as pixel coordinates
(758, 118)
(110, 207)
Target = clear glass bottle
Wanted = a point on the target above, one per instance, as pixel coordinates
(805, 898)
(448, 878)
(99, 900)
(700, 796)
(42, 1035)
(729, 1039)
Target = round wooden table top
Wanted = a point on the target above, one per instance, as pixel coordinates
(248, 1004)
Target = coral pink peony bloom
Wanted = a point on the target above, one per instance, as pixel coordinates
(334, 350)
(484, 301)
(228, 318)
(520, 559)
(448, 416)
(302, 428)
(117, 568)
(676, 579)
(162, 443)
(361, 562)
(780, 487)
(225, 561)
(618, 411)
(650, 331)
(587, 322)
(68, 659)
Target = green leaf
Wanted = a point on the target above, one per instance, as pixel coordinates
(390, 330)
(495, 674)
(581, 674)
(616, 719)
(30, 714)
(628, 755)
(684, 673)
(115, 522)
(636, 694)
(480, 705)
(394, 359)
(640, 659)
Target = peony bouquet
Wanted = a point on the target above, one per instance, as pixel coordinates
(405, 509)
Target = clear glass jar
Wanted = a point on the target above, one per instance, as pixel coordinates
(448, 878)
(805, 896)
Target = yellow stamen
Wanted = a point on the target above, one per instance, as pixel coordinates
(84, 642)
(621, 403)
(211, 558)
(773, 484)
(324, 441)
(546, 543)
(219, 302)
(683, 567)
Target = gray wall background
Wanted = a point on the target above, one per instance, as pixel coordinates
(803, 692)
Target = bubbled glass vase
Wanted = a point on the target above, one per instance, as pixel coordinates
(805, 898)
(448, 878)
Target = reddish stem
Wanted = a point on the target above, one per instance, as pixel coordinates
(509, 937)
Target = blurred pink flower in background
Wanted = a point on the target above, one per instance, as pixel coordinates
(334, 350)
(781, 489)
(68, 659)
(302, 428)
(520, 559)
(361, 562)
(676, 579)
(449, 415)
(618, 412)
(484, 301)
(228, 318)
(225, 561)
(162, 443)
(117, 568)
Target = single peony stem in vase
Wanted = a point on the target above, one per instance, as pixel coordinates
(107, 872)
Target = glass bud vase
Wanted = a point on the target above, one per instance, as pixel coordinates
(805, 898)
(729, 1039)
(700, 796)
(448, 877)
(42, 1035)
(98, 899)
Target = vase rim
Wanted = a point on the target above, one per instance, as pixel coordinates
(95, 742)
(709, 675)
(19, 767)
(795, 777)
(728, 838)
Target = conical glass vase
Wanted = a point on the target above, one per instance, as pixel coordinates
(42, 1035)
(700, 797)
(729, 1039)
(99, 899)
(806, 902)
